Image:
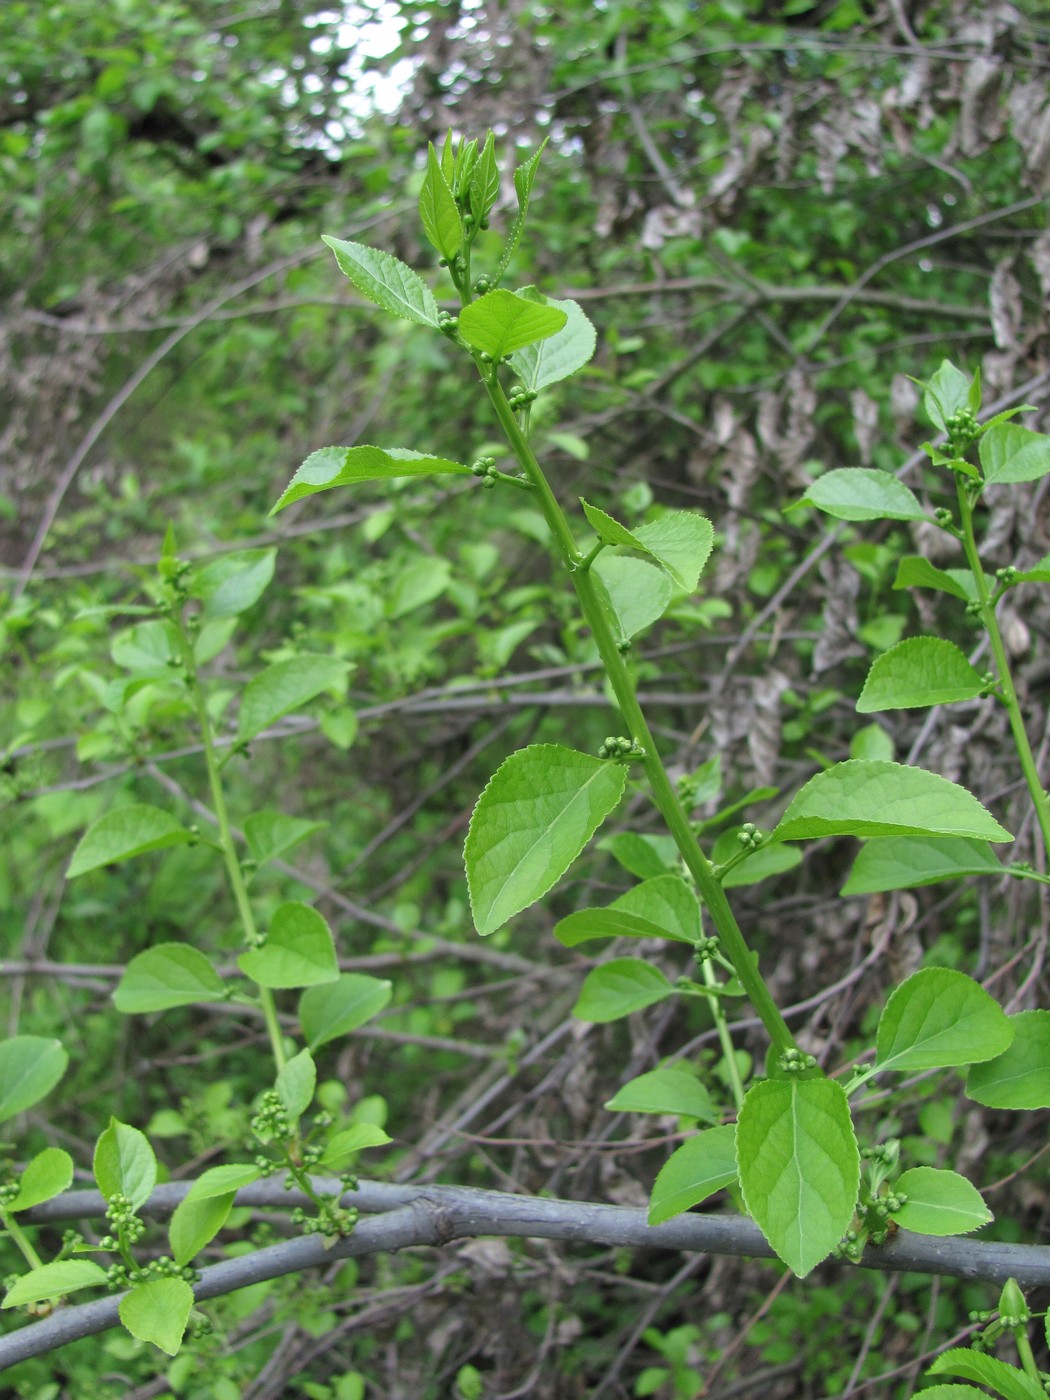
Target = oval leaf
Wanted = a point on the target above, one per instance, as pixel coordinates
(539, 810)
(296, 1083)
(664, 907)
(681, 542)
(919, 671)
(862, 493)
(561, 354)
(1009, 452)
(871, 797)
(937, 1019)
(30, 1067)
(635, 593)
(438, 211)
(125, 832)
(54, 1281)
(700, 1167)
(386, 280)
(47, 1175)
(158, 1312)
(501, 322)
(285, 686)
(124, 1164)
(335, 1009)
(799, 1166)
(939, 1203)
(195, 1224)
(221, 1181)
(619, 988)
(344, 1146)
(171, 974)
(229, 585)
(1020, 1076)
(905, 862)
(347, 466)
(271, 834)
(665, 1091)
(298, 952)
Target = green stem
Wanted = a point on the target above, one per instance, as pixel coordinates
(736, 1084)
(1024, 1351)
(21, 1239)
(663, 792)
(226, 843)
(1002, 664)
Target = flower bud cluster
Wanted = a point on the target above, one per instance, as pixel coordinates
(962, 427)
(616, 746)
(521, 398)
(796, 1061)
(749, 836)
(271, 1124)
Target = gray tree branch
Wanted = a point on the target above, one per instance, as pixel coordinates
(398, 1217)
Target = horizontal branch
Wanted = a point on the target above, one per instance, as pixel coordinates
(397, 1217)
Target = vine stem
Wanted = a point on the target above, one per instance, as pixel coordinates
(664, 795)
(1002, 664)
(226, 842)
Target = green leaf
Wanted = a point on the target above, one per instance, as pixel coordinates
(1009, 452)
(484, 185)
(286, 686)
(913, 571)
(348, 466)
(344, 1146)
(861, 493)
(386, 280)
(124, 832)
(947, 392)
(619, 988)
(951, 1392)
(1038, 573)
(905, 862)
(939, 1203)
(195, 1224)
(663, 907)
(271, 834)
(438, 211)
(636, 593)
(167, 975)
(1020, 1076)
(335, 1009)
(1010, 1382)
(696, 1170)
(937, 1019)
(665, 1091)
(158, 1312)
(296, 1083)
(539, 810)
(681, 542)
(54, 1281)
(644, 856)
(919, 671)
(30, 1067)
(799, 1166)
(561, 354)
(124, 1164)
(45, 1176)
(419, 583)
(231, 584)
(870, 797)
(298, 951)
(501, 322)
(222, 1181)
(524, 177)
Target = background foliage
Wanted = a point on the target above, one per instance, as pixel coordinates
(774, 215)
